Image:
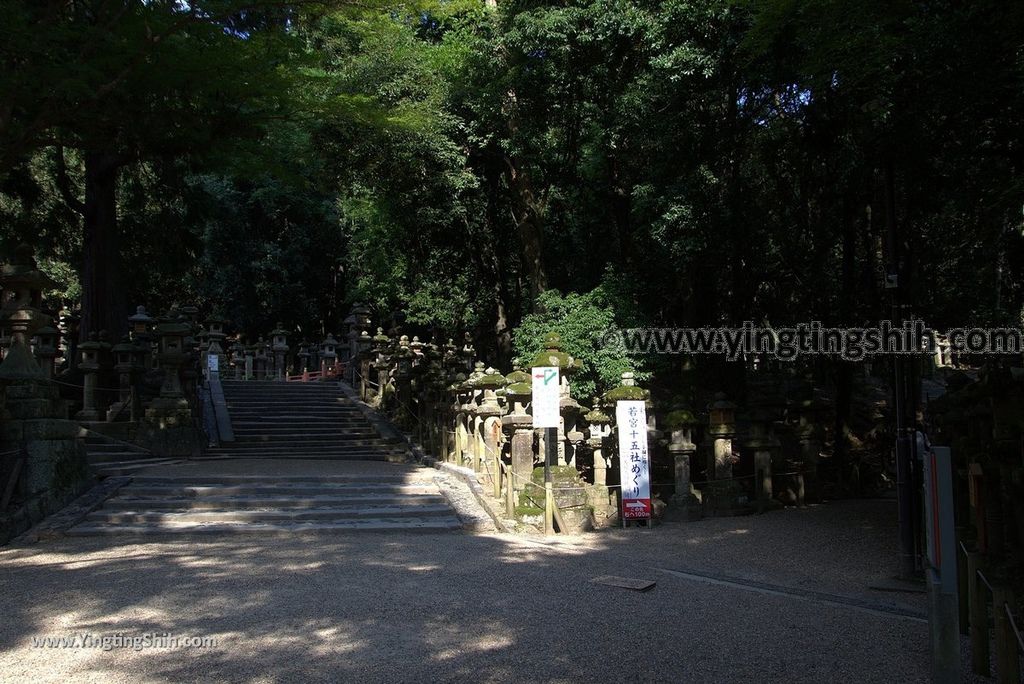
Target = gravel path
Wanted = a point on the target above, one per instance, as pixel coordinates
(483, 608)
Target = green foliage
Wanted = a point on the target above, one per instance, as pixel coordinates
(582, 321)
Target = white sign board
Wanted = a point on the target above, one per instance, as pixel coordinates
(634, 464)
(213, 363)
(545, 397)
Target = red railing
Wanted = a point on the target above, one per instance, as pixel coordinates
(330, 373)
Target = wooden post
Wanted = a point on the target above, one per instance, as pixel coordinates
(979, 616)
(510, 494)
(1007, 659)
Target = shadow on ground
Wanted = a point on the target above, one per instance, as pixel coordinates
(457, 607)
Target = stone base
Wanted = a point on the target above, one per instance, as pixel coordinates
(684, 509)
(169, 430)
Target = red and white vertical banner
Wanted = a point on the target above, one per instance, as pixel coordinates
(634, 463)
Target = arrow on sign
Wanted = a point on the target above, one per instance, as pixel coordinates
(636, 504)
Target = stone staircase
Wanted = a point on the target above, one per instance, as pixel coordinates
(160, 505)
(293, 468)
(312, 420)
(109, 457)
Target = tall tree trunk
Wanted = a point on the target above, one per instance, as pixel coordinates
(103, 302)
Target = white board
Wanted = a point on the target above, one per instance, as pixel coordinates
(545, 396)
(634, 463)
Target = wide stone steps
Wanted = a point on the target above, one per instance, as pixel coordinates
(107, 457)
(152, 506)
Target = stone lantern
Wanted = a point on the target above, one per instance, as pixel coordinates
(328, 355)
(489, 414)
(519, 423)
(47, 350)
(569, 409)
(23, 285)
(357, 321)
(141, 323)
(168, 428)
(261, 360)
(303, 357)
(599, 428)
(723, 490)
(238, 359)
(125, 355)
(89, 364)
(279, 345)
(251, 361)
(681, 424)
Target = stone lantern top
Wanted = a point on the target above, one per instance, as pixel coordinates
(380, 337)
(681, 417)
(23, 277)
(596, 416)
(491, 379)
(90, 345)
(518, 384)
(140, 320)
(626, 391)
(279, 331)
(552, 355)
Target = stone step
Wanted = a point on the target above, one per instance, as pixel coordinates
(252, 444)
(377, 456)
(254, 490)
(101, 457)
(225, 503)
(432, 524)
(128, 467)
(172, 517)
(353, 454)
(317, 431)
(233, 479)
